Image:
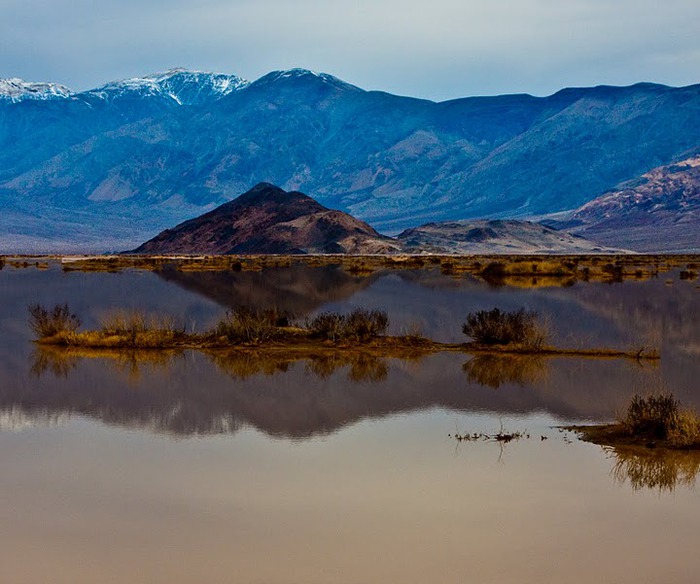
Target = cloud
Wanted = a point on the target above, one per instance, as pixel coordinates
(437, 49)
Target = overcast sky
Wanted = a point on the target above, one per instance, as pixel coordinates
(437, 49)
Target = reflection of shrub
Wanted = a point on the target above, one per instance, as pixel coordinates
(660, 417)
(363, 368)
(245, 325)
(360, 325)
(496, 370)
(497, 327)
(662, 470)
(59, 364)
(241, 366)
(368, 369)
(48, 323)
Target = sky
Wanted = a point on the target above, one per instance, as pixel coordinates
(439, 49)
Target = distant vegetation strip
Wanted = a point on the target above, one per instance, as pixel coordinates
(493, 331)
(497, 270)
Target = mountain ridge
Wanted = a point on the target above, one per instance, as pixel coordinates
(145, 160)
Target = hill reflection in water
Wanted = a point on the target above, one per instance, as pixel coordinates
(191, 393)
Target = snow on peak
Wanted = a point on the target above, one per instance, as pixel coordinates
(298, 73)
(181, 85)
(190, 87)
(17, 90)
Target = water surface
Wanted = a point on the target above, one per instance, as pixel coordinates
(188, 467)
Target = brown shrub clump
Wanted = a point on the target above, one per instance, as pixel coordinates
(246, 325)
(498, 327)
(659, 417)
(360, 325)
(49, 323)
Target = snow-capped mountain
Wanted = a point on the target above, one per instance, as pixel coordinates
(127, 160)
(180, 85)
(17, 90)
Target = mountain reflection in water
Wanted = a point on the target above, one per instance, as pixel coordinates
(189, 392)
(297, 289)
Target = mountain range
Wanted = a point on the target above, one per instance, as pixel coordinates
(110, 167)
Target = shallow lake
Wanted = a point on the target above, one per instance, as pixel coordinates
(186, 467)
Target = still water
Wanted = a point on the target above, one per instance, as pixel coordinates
(190, 468)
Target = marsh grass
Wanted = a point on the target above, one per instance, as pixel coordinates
(46, 323)
(498, 327)
(139, 330)
(516, 333)
(130, 322)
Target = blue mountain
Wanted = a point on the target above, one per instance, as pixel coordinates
(111, 167)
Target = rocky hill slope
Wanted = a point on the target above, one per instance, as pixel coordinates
(268, 219)
(495, 237)
(660, 210)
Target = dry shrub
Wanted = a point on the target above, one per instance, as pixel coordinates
(659, 416)
(327, 325)
(359, 325)
(685, 431)
(247, 325)
(498, 327)
(49, 323)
